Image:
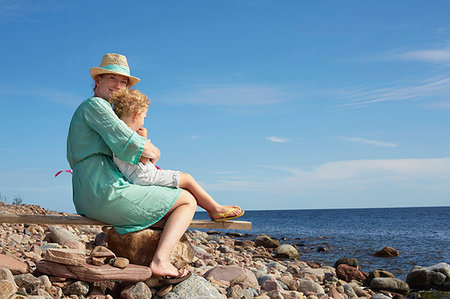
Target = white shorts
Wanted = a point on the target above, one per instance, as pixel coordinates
(147, 174)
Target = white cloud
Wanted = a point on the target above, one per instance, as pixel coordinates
(401, 92)
(343, 176)
(228, 95)
(277, 139)
(436, 56)
(370, 142)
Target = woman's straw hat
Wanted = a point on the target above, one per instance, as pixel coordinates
(113, 63)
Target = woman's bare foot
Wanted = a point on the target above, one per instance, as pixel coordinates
(163, 269)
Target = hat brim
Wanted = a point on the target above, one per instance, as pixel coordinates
(95, 71)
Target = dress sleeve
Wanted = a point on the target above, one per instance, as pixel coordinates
(126, 144)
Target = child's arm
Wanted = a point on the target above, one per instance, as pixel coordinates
(154, 150)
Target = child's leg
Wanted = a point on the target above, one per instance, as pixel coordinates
(204, 200)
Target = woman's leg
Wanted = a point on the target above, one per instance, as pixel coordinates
(179, 218)
(204, 200)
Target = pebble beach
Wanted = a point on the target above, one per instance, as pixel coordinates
(223, 266)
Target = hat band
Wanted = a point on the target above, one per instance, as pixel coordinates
(116, 68)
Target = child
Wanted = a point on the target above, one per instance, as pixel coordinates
(131, 107)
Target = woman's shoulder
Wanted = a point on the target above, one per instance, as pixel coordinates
(95, 102)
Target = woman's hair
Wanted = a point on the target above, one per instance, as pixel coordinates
(127, 101)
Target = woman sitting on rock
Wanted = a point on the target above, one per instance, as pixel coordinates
(99, 189)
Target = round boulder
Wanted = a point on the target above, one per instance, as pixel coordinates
(287, 251)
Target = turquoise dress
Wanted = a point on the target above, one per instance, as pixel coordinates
(99, 190)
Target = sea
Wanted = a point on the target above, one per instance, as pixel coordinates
(420, 234)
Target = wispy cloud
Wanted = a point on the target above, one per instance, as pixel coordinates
(370, 142)
(277, 139)
(346, 175)
(50, 95)
(228, 95)
(362, 96)
(430, 55)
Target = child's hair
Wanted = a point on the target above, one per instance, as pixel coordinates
(127, 101)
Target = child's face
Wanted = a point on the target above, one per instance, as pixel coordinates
(138, 120)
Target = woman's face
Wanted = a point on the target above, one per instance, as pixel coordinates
(107, 83)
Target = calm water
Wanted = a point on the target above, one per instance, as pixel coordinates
(421, 235)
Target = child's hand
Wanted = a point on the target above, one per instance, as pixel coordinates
(142, 131)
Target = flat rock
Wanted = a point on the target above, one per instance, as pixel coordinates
(95, 273)
(102, 251)
(65, 256)
(14, 265)
(389, 284)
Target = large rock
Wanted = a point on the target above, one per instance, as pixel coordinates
(227, 274)
(139, 247)
(65, 256)
(14, 265)
(348, 261)
(95, 273)
(194, 287)
(387, 252)
(349, 273)
(137, 291)
(287, 251)
(61, 236)
(266, 241)
(389, 284)
(424, 278)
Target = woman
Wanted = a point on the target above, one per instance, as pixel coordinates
(99, 190)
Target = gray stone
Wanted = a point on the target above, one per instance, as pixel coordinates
(77, 288)
(138, 291)
(348, 290)
(28, 282)
(239, 293)
(310, 286)
(379, 296)
(287, 251)
(424, 278)
(194, 287)
(61, 236)
(389, 284)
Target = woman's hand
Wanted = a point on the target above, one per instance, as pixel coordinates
(150, 151)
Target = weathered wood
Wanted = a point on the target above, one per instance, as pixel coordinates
(80, 220)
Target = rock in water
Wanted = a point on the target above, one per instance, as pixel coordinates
(387, 252)
(139, 247)
(389, 284)
(266, 241)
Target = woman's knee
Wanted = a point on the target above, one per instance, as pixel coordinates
(186, 198)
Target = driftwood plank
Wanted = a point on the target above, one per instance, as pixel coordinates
(80, 220)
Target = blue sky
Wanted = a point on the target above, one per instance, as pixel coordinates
(268, 104)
